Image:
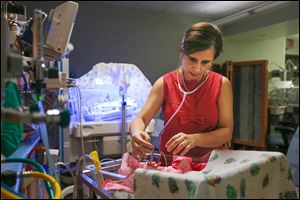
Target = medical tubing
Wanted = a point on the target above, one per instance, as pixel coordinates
(38, 147)
(66, 191)
(94, 156)
(68, 168)
(37, 165)
(110, 159)
(80, 128)
(165, 158)
(185, 93)
(8, 193)
(168, 122)
(40, 175)
(47, 177)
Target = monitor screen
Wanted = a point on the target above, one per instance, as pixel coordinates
(59, 31)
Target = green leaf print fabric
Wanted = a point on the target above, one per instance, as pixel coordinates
(229, 174)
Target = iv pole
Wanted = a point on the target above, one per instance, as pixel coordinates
(123, 84)
(123, 130)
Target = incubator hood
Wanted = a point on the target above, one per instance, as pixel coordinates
(102, 92)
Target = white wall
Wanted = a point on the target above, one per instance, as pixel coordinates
(272, 50)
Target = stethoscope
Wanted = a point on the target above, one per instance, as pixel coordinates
(185, 93)
(189, 92)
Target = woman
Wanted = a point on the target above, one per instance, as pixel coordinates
(196, 102)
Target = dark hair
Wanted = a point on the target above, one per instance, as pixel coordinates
(202, 36)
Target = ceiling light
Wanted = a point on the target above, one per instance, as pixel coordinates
(248, 12)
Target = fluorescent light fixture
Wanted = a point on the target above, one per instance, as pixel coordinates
(219, 7)
(248, 12)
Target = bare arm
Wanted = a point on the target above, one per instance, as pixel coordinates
(223, 134)
(140, 139)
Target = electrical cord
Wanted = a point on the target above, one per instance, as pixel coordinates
(78, 94)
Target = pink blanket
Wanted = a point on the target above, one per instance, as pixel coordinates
(180, 165)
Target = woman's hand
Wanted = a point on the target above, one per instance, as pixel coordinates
(140, 144)
(181, 142)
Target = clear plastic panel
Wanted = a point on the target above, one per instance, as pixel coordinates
(102, 89)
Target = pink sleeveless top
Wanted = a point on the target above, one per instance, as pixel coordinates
(199, 112)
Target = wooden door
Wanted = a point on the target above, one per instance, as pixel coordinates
(250, 94)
